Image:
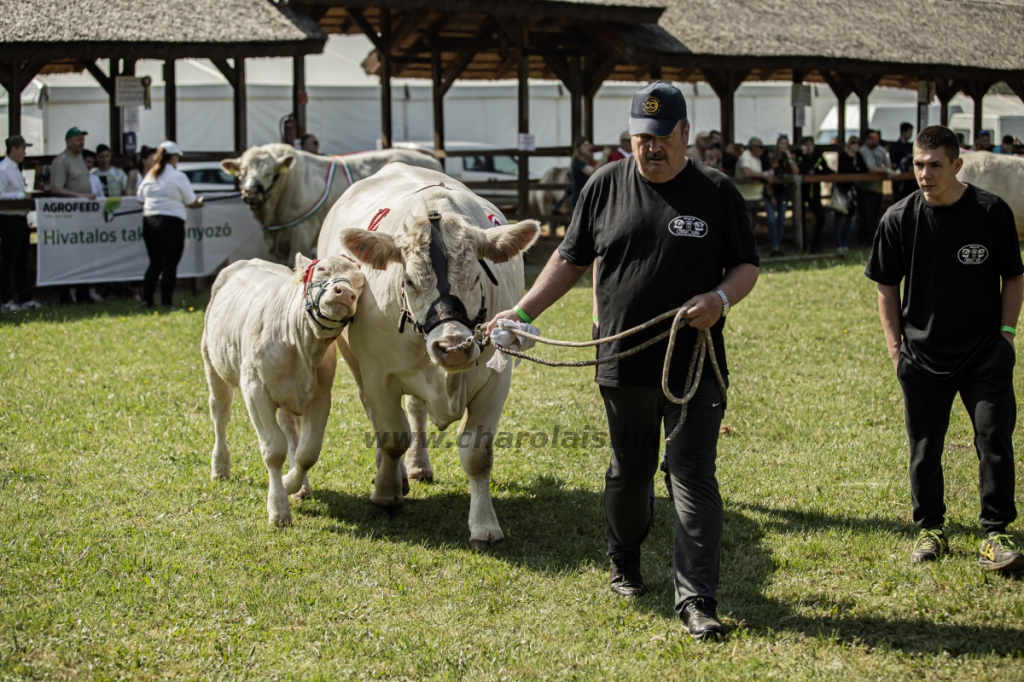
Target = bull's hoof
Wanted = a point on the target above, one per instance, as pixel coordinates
(405, 486)
(390, 511)
(279, 520)
(303, 494)
(487, 545)
(220, 475)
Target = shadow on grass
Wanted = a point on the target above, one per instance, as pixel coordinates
(552, 529)
(86, 311)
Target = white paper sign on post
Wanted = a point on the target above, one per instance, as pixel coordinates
(81, 241)
(527, 142)
(129, 91)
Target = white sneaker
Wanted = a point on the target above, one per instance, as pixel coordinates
(10, 307)
(93, 295)
(32, 304)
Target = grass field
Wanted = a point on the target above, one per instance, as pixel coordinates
(119, 558)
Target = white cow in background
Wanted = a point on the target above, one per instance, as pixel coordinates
(291, 191)
(428, 274)
(543, 201)
(269, 331)
(1001, 174)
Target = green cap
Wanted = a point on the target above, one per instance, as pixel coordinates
(74, 131)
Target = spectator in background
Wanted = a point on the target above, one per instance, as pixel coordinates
(166, 193)
(89, 157)
(713, 156)
(700, 145)
(751, 179)
(14, 232)
(309, 143)
(137, 175)
(730, 157)
(983, 142)
(777, 194)
(714, 137)
(811, 162)
(625, 149)
(869, 193)
(901, 154)
(69, 176)
(850, 161)
(583, 166)
(113, 180)
(1006, 147)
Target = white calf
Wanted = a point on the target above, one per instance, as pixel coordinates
(269, 331)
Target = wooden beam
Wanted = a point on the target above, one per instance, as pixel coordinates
(863, 84)
(463, 59)
(575, 86)
(560, 65)
(241, 108)
(299, 96)
(437, 82)
(595, 77)
(1017, 85)
(724, 82)
(106, 82)
(976, 91)
(524, 117)
(411, 22)
(945, 90)
(367, 27)
(170, 101)
(798, 130)
(385, 78)
(7, 71)
(227, 70)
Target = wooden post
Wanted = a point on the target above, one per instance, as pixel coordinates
(170, 101)
(114, 130)
(798, 130)
(14, 87)
(588, 116)
(945, 90)
(436, 77)
(299, 97)
(863, 85)
(385, 78)
(976, 91)
(241, 107)
(576, 96)
(724, 82)
(841, 88)
(524, 118)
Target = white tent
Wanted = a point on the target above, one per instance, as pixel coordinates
(344, 107)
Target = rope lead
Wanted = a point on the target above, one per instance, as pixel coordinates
(703, 347)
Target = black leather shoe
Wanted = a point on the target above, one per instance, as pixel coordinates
(700, 618)
(626, 578)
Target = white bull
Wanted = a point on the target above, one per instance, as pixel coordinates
(1003, 175)
(268, 331)
(291, 191)
(543, 201)
(384, 222)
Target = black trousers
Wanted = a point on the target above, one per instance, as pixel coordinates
(869, 212)
(164, 236)
(14, 241)
(987, 393)
(812, 199)
(635, 419)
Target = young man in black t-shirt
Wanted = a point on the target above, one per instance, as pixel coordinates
(955, 248)
(665, 229)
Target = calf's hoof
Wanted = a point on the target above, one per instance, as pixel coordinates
(220, 474)
(424, 475)
(304, 494)
(279, 520)
(392, 511)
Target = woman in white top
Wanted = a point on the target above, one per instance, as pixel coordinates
(165, 193)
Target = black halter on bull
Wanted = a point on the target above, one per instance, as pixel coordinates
(314, 291)
(445, 308)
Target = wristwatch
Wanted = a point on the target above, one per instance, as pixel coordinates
(725, 302)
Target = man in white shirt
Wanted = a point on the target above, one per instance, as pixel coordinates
(95, 184)
(14, 233)
(113, 179)
(750, 178)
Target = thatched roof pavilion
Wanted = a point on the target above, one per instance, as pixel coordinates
(55, 36)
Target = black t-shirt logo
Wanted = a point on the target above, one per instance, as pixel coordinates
(688, 226)
(973, 254)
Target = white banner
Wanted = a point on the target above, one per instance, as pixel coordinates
(81, 241)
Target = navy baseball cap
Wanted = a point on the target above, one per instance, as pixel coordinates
(656, 110)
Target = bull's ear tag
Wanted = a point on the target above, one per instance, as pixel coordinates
(284, 168)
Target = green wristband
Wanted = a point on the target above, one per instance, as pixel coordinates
(1008, 329)
(522, 315)
(595, 318)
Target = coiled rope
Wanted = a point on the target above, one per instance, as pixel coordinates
(703, 347)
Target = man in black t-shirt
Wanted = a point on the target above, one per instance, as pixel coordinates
(669, 232)
(811, 161)
(955, 248)
(898, 153)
